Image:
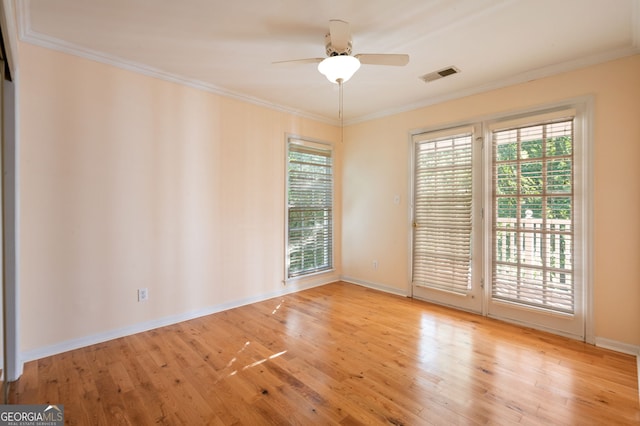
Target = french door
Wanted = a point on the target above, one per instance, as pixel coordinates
(535, 226)
(499, 224)
(447, 243)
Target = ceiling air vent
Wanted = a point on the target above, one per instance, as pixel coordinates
(436, 75)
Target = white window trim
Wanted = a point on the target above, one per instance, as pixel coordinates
(583, 200)
(314, 276)
(584, 106)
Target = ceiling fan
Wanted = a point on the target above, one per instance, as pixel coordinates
(339, 65)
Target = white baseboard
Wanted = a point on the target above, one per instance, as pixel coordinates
(614, 345)
(375, 286)
(625, 348)
(599, 341)
(81, 342)
(84, 341)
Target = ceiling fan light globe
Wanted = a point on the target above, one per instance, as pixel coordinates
(340, 67)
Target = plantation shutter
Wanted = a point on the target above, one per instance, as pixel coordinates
(310, 208)
(443, 211)
(532, 224)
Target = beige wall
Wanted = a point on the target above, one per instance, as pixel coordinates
(376, 167)
(128, 181)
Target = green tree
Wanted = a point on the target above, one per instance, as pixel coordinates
(533, 168)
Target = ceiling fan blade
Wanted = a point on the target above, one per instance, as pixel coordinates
(299, 61)
(340, 34)
(383, 59)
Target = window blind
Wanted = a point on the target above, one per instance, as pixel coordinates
(310, 208)
(533, 231)
(443, 212)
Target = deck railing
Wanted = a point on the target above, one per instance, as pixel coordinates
(534, 242)
(533, 261)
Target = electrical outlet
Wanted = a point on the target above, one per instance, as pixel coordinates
(143, 295)
(375, 265)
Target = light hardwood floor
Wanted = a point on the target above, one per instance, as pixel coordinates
(337, 354)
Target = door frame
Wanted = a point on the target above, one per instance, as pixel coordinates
(473, 300)
(585, 106)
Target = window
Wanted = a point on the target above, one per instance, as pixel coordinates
(533, 230)
(309, 207)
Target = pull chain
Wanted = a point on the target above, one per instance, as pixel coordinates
(340, 112)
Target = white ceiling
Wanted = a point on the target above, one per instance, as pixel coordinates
(228, 46)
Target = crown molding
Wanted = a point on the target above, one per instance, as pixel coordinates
(506, 82)
(28, 35)
(531, 75)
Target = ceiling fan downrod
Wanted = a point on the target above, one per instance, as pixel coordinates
(340, 110)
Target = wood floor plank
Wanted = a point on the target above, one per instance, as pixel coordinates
(337, 354)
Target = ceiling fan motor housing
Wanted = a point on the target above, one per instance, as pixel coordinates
(331, 51)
